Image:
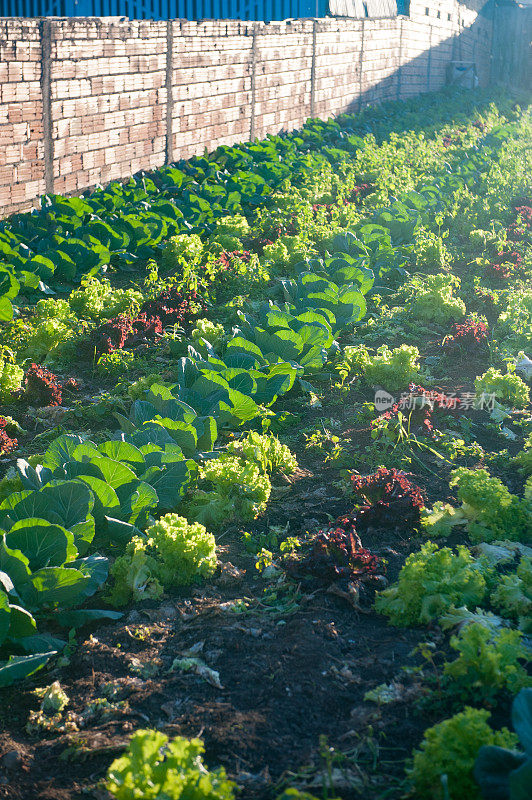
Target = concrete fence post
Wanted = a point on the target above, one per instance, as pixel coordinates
(313, 70)
(361, 65)
(253, 66)
(400, 67)
(429, 58)
(46, 80)
(169, 78)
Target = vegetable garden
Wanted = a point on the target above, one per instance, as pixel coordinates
(266, 494)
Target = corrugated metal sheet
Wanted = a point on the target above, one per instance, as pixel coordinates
(358, 9)
(167, 9)
(204, 9)
(381, 8)
(348, 8)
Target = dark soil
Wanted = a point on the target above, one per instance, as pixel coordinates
(293, 681)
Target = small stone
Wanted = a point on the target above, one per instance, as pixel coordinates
(11, 760)
(229, 574)
(168, 612)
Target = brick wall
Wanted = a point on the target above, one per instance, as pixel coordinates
(87, 101)
(21, 125)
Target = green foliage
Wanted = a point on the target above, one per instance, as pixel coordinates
(509, 388)
(430, 582)
(97, 299)
(137, 389)
(391, 369)
(277, 253)
(487, 663)
(236, 225)
(186, 551)
(266, 451)
(513, 595)
(491, 510)
(46, 338)
(53, 698)
(449, 749)
(275, 184)
(480, 239)
(223, 241)
(211, 331)
(430, 251)
(52, 309)
(245, 275)
(173, 553)
(441, 519)
(10, 483)
(182, 250)
(524, 458)
(134, 575)
(504, 774)
(288, 251)
(126, 480)
(11, 377)
(116, 363)
(229, 487)
(45, 535)
(154, 768)
(434, 299)
(515, 321)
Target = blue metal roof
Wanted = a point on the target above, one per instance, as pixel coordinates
(168, 9)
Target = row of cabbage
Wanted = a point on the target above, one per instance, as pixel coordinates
(81, 496)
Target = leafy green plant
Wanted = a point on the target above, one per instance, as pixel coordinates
(97, 298)
(434, 298)
(46, 338)
(229, 487)
(211, 331)
(391, 369)
(173, 553)
(182, 249)
(53, 698)
(235, 225)
(524, 458)
(11, 377)
(266, 451)
(430, 582)
(127, 478)
(155, 767)
(487, 663)
(509, 388)
(503, 773)
(137, 389)
(287, 251)
(115, 364)
(448, 751)
(134, 575)
(513, 595)
(46, 534)
(333, 288)
(187, 552)
(491, 511)
(430, 251)
(515, 320)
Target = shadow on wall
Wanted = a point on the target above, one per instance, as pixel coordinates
(491, 49)
(90, 101)
(494, 48)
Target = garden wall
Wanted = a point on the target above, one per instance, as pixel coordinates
(88, 100)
